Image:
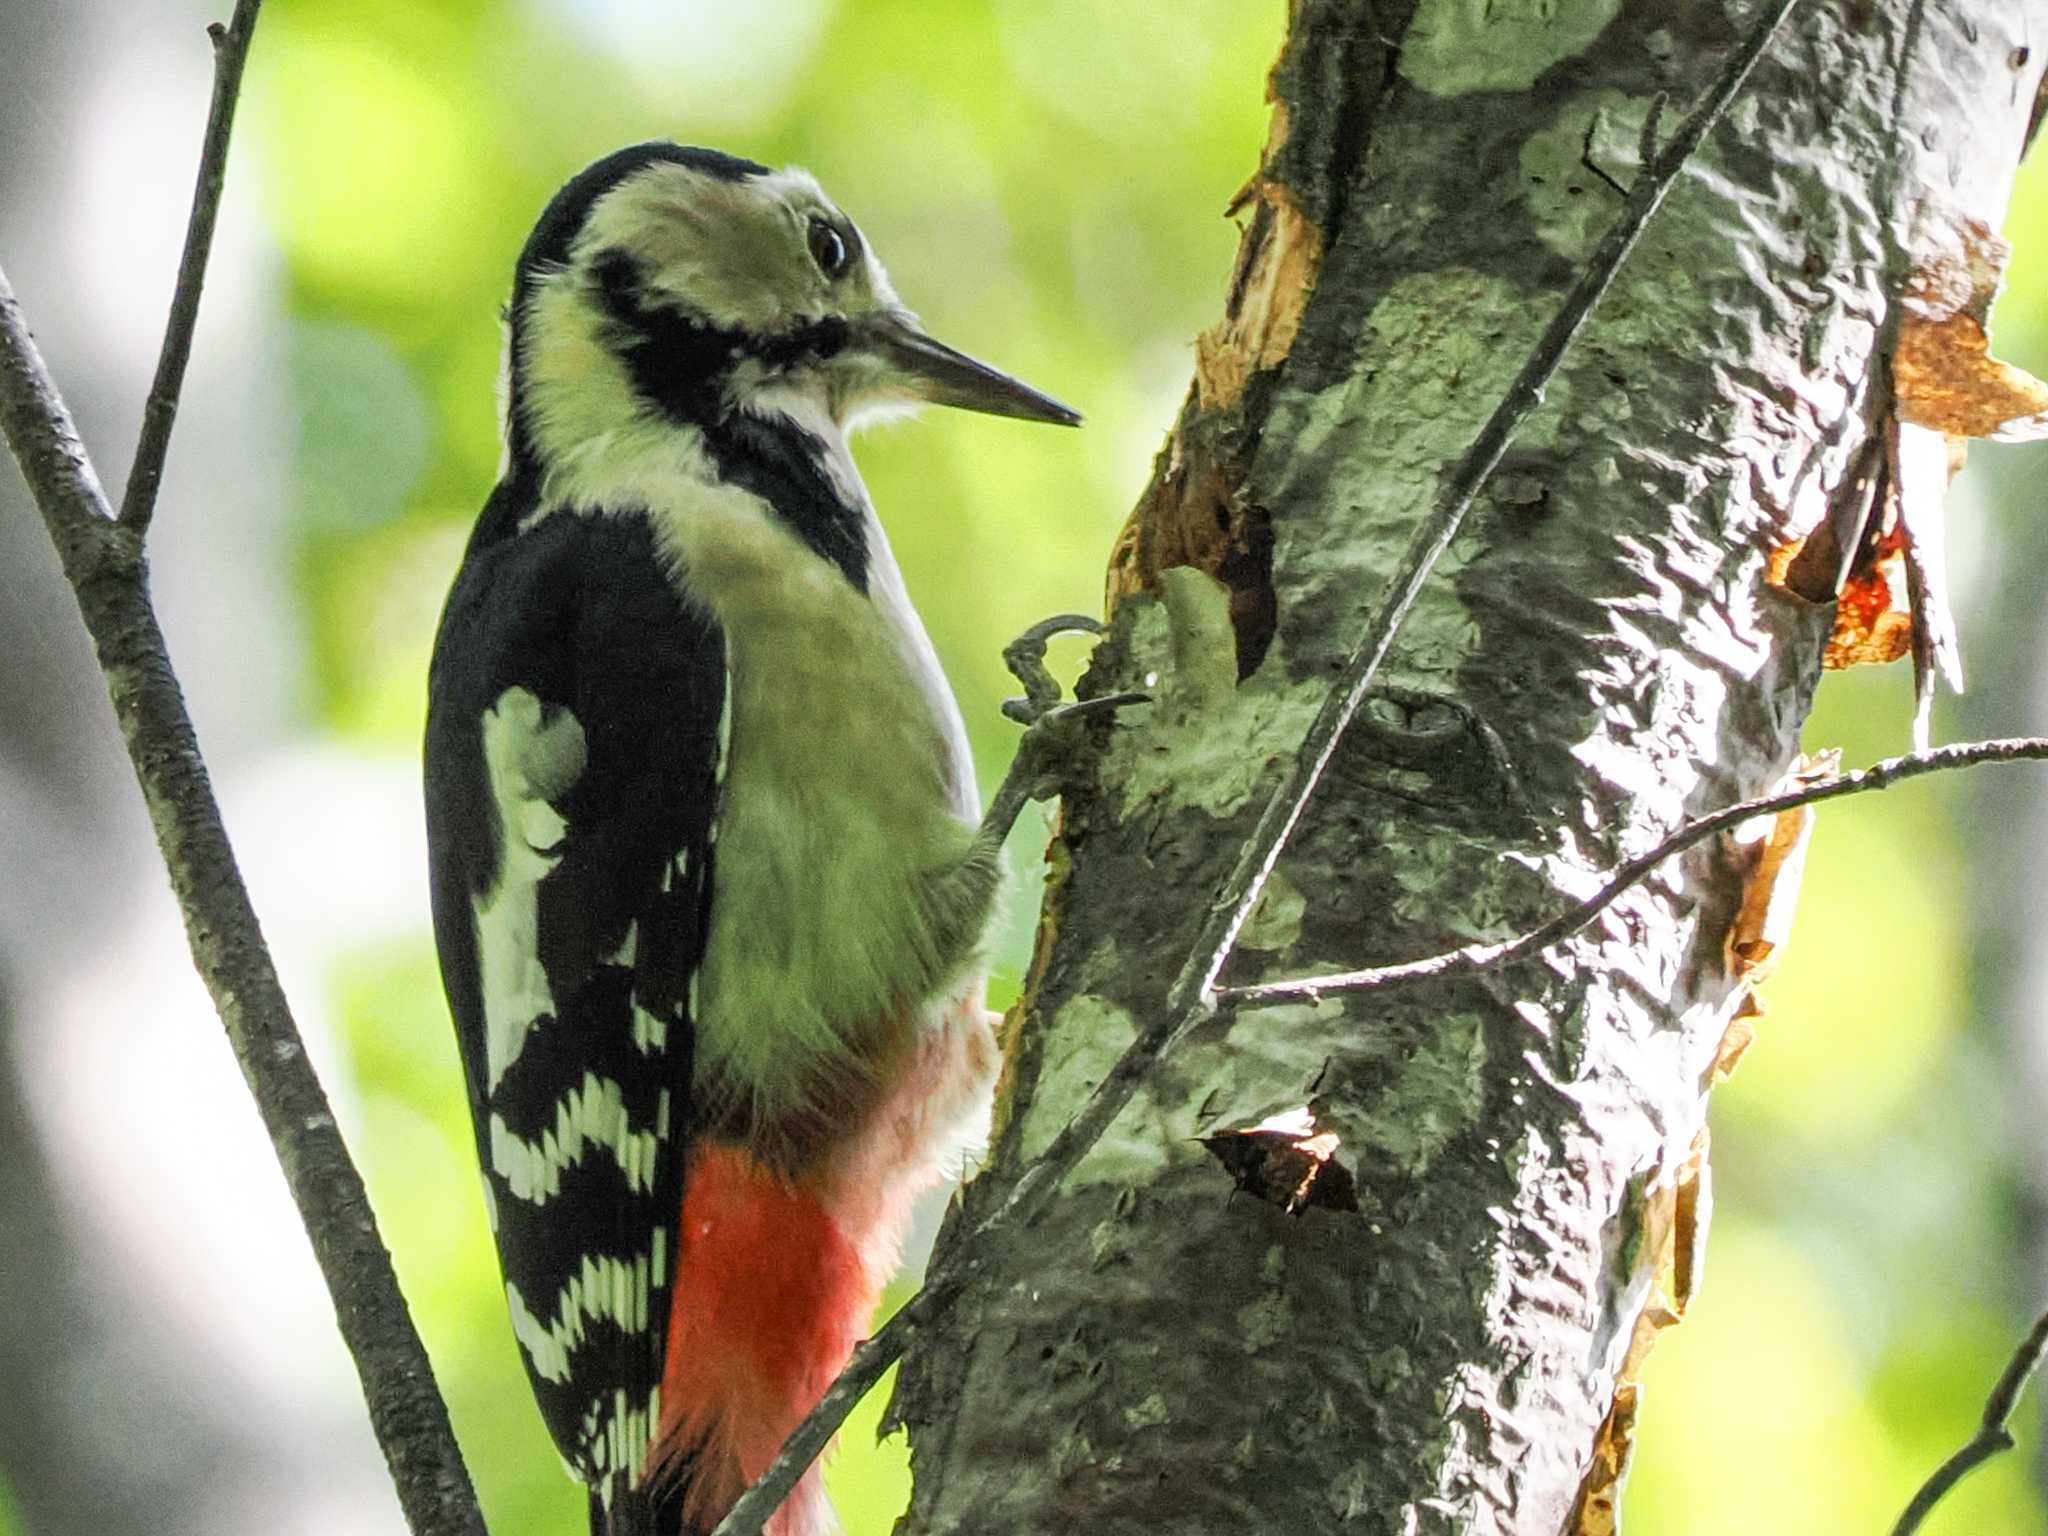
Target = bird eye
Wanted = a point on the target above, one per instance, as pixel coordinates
(828, 249)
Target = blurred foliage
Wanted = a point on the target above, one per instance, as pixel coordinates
(1046, 179)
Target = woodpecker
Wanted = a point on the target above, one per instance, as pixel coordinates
(709, 884)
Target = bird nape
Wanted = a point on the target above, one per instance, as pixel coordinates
(709, 876)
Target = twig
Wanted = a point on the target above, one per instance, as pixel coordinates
(160, 409)
(1241, 893)
(1992, 1436)
(1586, 156)
(1489, 957)
(1191, 999)
(870, 1363)
(102, 558)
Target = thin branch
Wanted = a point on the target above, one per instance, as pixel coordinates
(1191, 999)
(1490, 957)
(1240, 895)
(160, 409)
(1992, 1436)
(102, 558)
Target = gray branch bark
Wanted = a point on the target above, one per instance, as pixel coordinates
(104, 562)
(1601, 657)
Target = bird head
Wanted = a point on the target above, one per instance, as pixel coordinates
(695, 285)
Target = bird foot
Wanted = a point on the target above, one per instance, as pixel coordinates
(1055, 734)
(1025, 657)
(1056, 743)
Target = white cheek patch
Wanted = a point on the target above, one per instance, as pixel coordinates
(533, 755)
(733, 251)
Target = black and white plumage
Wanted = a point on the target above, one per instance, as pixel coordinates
(707, 877)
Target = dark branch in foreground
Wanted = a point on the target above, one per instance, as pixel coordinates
(1488, 957)
(160, 409)
(102, 558)
(1992, 1436)
(1192, 997)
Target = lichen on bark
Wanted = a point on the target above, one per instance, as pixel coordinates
(1602, 654)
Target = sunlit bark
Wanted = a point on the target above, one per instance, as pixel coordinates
(1607, 650)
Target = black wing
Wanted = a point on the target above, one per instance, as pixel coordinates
(573, 739)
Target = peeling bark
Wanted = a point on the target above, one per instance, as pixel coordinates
(1603, 654)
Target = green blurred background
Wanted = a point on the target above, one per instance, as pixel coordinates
(1046, 180)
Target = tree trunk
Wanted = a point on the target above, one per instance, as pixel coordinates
(1609, 648)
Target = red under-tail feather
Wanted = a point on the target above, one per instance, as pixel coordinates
(771, 1295)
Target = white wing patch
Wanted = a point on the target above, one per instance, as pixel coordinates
(532, 756)
(590, 1115)
(605, 1288)
(650, 1031)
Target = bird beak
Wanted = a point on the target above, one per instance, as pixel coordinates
(930, 370)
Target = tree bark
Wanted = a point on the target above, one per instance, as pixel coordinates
(1608, 649)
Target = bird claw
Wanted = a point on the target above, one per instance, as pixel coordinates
(1054, 741)
(1053, 738)
(1025, 657)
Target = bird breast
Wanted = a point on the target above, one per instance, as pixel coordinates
(846, 795)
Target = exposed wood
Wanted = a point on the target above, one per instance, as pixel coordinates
(1603, 655)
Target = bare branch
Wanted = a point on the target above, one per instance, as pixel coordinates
(1489, 957)
(1992, 1436)
(1196, 984)
(808, 1440)
(102, 558)
(1192, 996)
(160, 409)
